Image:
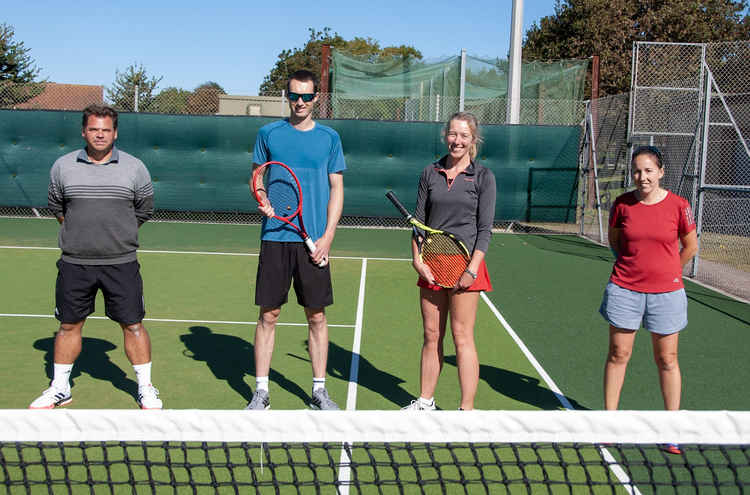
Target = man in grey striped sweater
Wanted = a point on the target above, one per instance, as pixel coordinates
(101, 196)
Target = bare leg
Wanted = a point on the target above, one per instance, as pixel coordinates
(434, 305)
(318, 338)
(463, 316)
(68, 341)
(620, 349)
(265, 333)
(670, 379)
(137, 343)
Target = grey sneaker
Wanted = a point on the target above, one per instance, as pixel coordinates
(259, 402)
(416, 405)
(320, 400)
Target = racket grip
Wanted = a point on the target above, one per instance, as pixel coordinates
(390, 195)
(312, 247)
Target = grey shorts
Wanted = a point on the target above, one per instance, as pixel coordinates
(663, 313)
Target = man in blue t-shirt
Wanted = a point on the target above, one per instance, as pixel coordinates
(313, 151)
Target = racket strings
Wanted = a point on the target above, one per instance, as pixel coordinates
(282, 193)
(445, 257)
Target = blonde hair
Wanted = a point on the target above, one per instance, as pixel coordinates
(473, 123)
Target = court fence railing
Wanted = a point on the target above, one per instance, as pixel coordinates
(692, 101)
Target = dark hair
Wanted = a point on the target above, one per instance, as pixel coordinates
(303, 75)
(652, 151)
(99, 111)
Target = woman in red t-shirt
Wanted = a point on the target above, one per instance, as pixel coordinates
(652, 233)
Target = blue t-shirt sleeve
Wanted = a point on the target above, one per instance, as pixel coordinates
(336, 163)
(260, 151)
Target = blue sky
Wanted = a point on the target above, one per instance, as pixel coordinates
(236, 43)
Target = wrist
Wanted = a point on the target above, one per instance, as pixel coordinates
(473, 274)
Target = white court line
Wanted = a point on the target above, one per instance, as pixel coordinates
(207, 253)
(170, 320)
(351, 395)
(618, 471)
(538, 367)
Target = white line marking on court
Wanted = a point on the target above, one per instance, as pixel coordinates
(538, 367)
(617, 470)
(170, 320)
(351, 394)
(207, 253)
(29, 247)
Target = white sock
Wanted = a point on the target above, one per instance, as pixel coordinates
(261, 383)
(427, 402)
(319, 383)
(143, 374)
(61, 376)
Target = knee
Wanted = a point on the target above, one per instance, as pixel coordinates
(316, 319)
(134, 329)
(67, 329)
(666, 361)
(619, 355)
(463, 338)
(270, 317)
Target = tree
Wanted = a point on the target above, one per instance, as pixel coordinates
(122, 93)
(309, 57)
(17, 70)
(205, 99)
(16, 65)
(171, 100)
(608, 28)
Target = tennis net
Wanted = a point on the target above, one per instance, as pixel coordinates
(189, 451)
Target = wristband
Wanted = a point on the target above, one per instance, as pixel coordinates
(473, 275)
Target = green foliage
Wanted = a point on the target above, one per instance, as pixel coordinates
(205, 99)
(17, 70)
(122, 93)
(608, 28)
(16, 65)
(309, 56)
(171, 100)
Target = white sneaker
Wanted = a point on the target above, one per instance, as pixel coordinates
(417, 405)
(51, 398)
(148, 397)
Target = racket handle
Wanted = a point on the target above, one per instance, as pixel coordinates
(312, 247)
(390, 195)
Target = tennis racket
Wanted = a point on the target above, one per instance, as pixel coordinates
(276, 183)
(443, 252)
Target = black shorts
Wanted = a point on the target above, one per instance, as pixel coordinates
(279, 264)
(121, 285)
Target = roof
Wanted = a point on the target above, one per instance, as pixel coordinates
(58, 96)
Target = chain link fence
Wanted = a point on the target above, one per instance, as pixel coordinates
(211, 101)
(692, 101)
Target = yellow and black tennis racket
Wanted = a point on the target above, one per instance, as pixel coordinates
(442, 251)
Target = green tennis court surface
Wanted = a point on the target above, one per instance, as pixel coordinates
(199, 285)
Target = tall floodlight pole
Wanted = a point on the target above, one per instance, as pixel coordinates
(513, 114)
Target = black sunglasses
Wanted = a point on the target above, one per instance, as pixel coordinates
(306, 97)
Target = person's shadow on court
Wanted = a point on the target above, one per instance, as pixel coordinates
(93, 361)
(521, 388)
(230, 358)
(368, 376)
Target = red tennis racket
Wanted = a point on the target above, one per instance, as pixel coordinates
(275, 183)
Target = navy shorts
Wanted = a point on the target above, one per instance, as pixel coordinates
(663, 313)
(121, 286)
(280, 264)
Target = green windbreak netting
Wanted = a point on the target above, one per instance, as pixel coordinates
(203, 163)
(486, 78)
